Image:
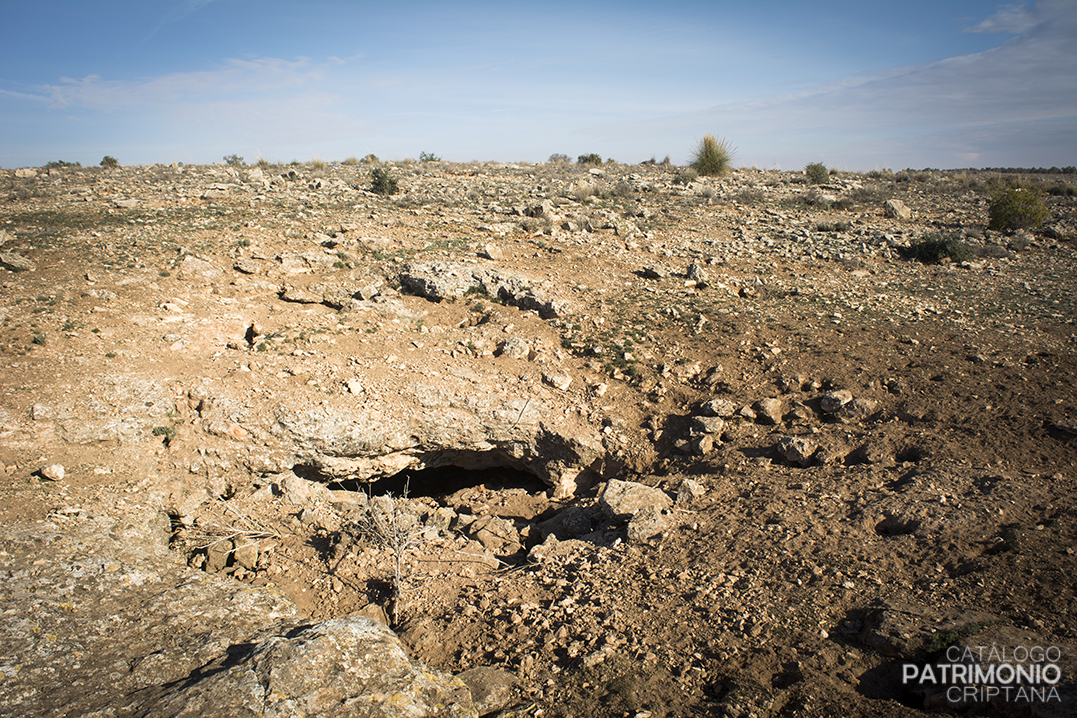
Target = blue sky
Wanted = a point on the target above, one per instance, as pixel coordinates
(857, 85)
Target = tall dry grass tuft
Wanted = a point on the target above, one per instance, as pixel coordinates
(713, 157)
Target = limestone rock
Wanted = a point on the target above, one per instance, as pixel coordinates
(558, 380)
(246, 554)
(452, 426)
(217, 555)
(708, 424)
(341, 667)
(857, 410)
(164, 621)
(768, 411)
(622, 499)
(53, 472)
(301, 492)
(290, 293)
(491, 689)
(492, 251)
(442, 281)
(834, 400)
(689, 491)
(16, 262)
(796, 449)
(247, 265)
(192, 267)
(515, 347)
(648, 522)
(897, 209)
(896, 630)
(696, 274)
(719, 407)
(703, 445)
(542, 210)
(573, 522)
(439, 281)
(495, 534)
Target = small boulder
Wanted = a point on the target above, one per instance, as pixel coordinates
(897, 209)
(495, 534)
(834, 400)
(573, 522)
(557, 380)
(16, 262)
(796, 449)
(719, 407)
(217, 554)
(648, 522)
(53, 472)
(768, 411)
(491, 251)
(622, 499)
(689, 491)
(491, 689)
(708, 424)
(514, 347)
(857, 410)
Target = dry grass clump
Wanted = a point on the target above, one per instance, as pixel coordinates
(713, 157)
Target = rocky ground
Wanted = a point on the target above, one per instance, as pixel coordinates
(591, 441)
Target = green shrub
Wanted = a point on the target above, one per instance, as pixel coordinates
(60, 163)
(371, 159)
(381, 182)
(712, 157)
(1017, 208)
(428, 157)
(168, 433)
(591, 159)
(109, 162)
(233, 160)
(817, 173)
(686, 176)
(936, 248)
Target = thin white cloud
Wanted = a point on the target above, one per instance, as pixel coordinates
(1011, 19)
(177, 13)
(32, 97)
(1012, 89)
(242, 77)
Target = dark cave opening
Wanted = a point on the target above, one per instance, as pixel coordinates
(440, 482)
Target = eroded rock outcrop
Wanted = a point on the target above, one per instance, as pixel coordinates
(103, 619)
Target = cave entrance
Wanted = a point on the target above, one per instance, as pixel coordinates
(444, 481)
